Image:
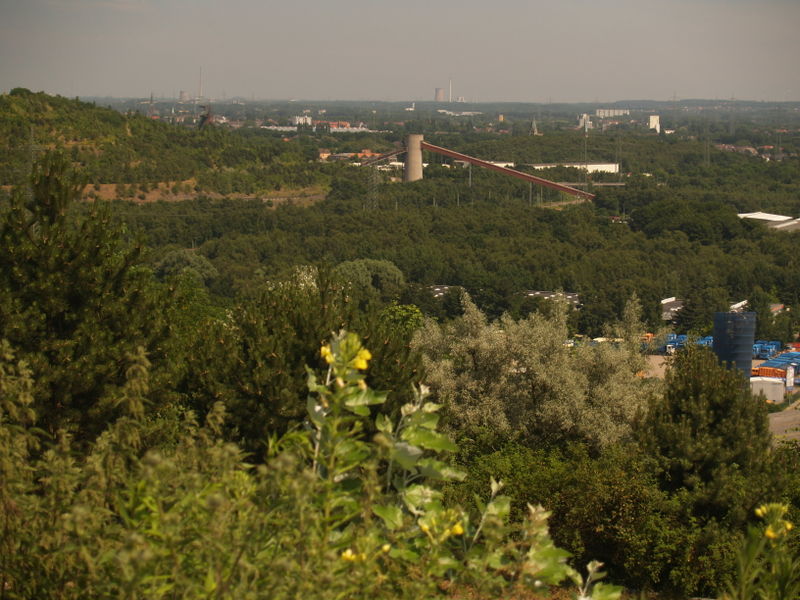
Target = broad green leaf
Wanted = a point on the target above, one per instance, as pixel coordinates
(358, 401)
(603, 591)
(499, 507)
(428, 439)
(404, 554)
(436, 469)
(420, 495)
(392, 516)
(548, 563)
(359, 409)
(406, 455)
(426, 420)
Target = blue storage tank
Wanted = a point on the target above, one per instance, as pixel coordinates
(734, 334)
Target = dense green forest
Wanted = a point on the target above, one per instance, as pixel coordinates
(221, 398)
(120, 149)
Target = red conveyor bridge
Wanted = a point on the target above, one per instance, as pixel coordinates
(580, 194)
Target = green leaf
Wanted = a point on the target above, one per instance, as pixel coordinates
(392, 516)
(420, 496)
(358, 401)
(426, 420)
(210, 581)
(436, 469)
(444, 564)
(358, 409)
(428, 439)
(495, 559)
(603, 591)
(315, 412)
(406, 455)
(404, 554)
(499, 507)
(548, 563)
(384, 423)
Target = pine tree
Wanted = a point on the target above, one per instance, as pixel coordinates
(73, 302)
(710, 445)
(697, 313)
(710, 438)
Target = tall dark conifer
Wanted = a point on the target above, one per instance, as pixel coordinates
(73, 303)
(710, 439)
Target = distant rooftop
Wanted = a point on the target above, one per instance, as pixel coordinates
(571, 297)
(670, 307)
(793, 225)
(762, 216)
(779, 222)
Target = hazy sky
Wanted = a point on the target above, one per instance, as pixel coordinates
(493, 50)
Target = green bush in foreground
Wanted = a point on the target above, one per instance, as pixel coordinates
(329, 515)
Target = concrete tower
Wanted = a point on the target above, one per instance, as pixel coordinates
(413, 169)
(655, 123)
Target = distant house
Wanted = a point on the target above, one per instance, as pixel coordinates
(439, 291)
(738, 306)
(571, 297)
(670, 307)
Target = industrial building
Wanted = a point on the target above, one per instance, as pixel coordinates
(605, 113)
(777, 222)
(591, 167)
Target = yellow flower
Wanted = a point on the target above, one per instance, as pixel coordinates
(326, 353)
(457, 529)
(761, 511)
(361, 359)
(348, 555)
(770, 532)
(424, 528)
(788, 526)
(385, 548)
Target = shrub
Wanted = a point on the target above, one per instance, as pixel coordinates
(330, 514)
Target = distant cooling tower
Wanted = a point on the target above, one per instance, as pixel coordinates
(438, 95)
(734, 334)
